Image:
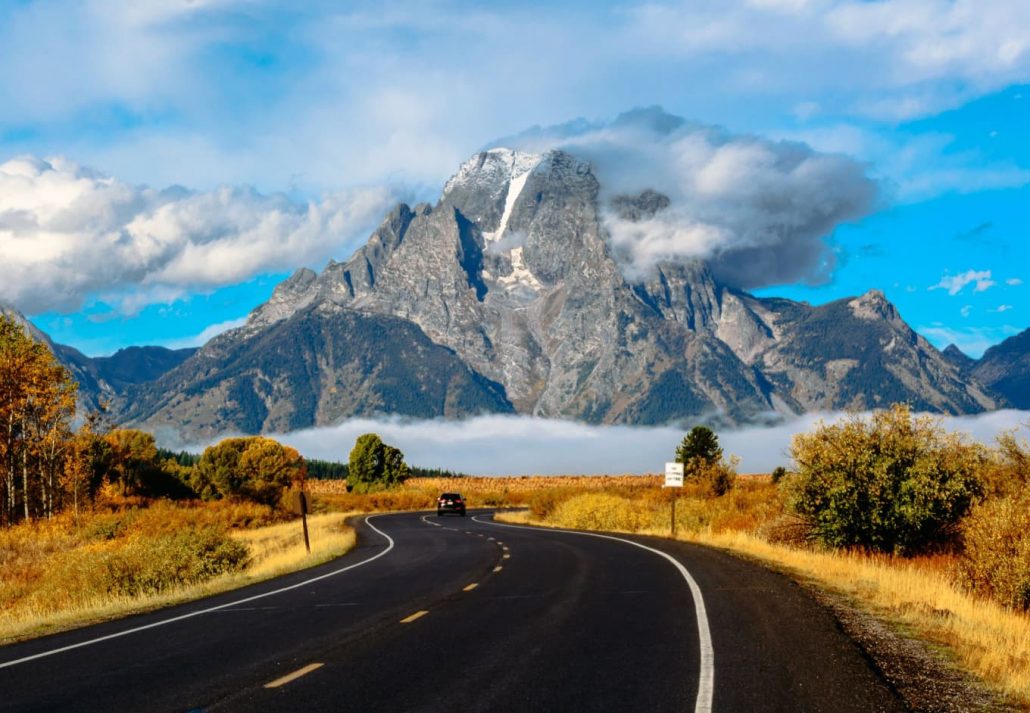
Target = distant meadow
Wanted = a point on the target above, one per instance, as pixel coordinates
(522, 445)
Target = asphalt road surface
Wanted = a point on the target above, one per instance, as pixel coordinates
(464, 614)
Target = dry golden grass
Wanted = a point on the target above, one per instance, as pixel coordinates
(277, 549)
(985, 638)
(50, 580)
(421, 493)
(920, 594)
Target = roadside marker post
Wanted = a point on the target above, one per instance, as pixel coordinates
(673, 479)
(300, 506)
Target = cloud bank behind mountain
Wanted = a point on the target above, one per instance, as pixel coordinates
(759, 211)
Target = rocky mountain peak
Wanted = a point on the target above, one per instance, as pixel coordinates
(487, 185)
(874, 305)
(958, 357)
(511, 274)
(684, 292)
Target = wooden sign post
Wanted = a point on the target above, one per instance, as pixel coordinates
(300, 506)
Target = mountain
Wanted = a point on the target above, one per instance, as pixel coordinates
(510, 295)
(1005, 367)
(958, 358)
(135, 365)
(104, 379)
(319, 365)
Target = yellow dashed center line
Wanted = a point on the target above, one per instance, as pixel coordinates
(498, 568)
(470, 587)
(413, 617)
(506, 557)
(293, 676)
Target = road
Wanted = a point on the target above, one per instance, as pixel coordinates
(444, 614)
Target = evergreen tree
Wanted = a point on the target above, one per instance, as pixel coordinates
(700, 446)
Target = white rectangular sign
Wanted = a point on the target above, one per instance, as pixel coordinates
(673, 475)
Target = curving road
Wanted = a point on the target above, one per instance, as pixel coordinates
(432, 614)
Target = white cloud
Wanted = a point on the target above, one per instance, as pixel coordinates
(897, 60)
(758, 211)
(1013, 281)
(966, 310)
(514, 445)
(67, 232)
(251, 90)
(1002, 308)
(956, 283)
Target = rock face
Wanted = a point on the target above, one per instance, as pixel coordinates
(508, 291)
(1005, 368)
(314, 367)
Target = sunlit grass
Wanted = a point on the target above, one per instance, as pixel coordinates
(280, 548)
(49, 581)
(985, 638)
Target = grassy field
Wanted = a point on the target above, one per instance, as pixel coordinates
(138, 556)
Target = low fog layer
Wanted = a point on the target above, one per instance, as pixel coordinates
(521, 445)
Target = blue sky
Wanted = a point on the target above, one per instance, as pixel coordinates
(163, 164)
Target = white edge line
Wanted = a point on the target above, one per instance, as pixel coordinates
(706, 682)
(208, 610)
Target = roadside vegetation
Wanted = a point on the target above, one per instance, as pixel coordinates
(96, 522)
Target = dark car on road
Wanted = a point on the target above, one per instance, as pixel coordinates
(450, 502)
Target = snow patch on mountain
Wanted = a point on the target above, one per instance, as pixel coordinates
(515, 187)
(520, 273)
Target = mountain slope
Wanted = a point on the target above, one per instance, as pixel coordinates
(93, 389)
(857, 353)
(958, 358)
(1005, 367)
(135, 365)
(320, 365)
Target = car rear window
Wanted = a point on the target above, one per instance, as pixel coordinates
(452, 496)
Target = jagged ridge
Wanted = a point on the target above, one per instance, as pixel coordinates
(512, 273)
